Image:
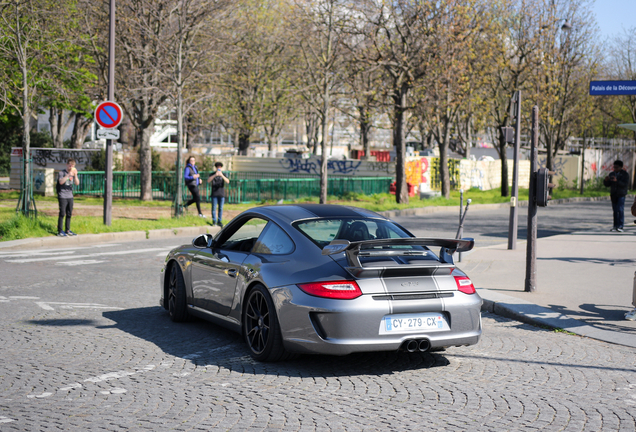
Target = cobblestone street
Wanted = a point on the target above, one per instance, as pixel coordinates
(86, 347)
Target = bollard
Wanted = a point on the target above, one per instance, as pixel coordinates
(634, 292)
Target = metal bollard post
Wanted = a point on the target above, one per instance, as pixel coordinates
(634, 292)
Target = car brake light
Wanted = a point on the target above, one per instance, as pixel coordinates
(342, 290)
(465, 285)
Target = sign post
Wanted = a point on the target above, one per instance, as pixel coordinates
(109, 115)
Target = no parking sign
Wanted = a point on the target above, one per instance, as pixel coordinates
(108, 114)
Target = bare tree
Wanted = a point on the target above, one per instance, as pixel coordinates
(186, 48)
(32, 48)
(319, 33)
(560, 77)
(623, 67)
(399, 37)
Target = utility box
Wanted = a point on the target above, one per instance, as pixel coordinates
(44, 181)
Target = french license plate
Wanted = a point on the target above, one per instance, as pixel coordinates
(407, 323)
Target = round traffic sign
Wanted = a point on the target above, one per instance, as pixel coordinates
(108, 115)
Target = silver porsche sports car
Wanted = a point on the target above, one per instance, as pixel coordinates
(324, 279)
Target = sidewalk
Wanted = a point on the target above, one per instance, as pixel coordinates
(584, 283)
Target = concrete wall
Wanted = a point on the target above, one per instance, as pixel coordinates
(311, 166)
(47, 158)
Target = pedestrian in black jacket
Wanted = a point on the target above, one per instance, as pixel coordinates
(617, 181)
(192, 180)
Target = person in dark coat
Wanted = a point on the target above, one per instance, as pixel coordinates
(618, 181)
(192, 181)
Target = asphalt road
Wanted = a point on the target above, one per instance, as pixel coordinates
(85, 346)
(490, 226)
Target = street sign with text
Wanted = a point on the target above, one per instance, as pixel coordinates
(612, 88)
(111, 134)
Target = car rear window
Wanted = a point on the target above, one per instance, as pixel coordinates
(324, 231)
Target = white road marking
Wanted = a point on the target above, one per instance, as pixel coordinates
(33, 252)
(124, 252)
(81, 262)
(24, 298)
(96, 379)
(115, 390)
(71, 387)
(22, 255)
(40, 396)
(4, 419)
(64, 305)
(109, 376)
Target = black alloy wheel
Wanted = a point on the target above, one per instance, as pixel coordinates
(177, 295)
(261, 328)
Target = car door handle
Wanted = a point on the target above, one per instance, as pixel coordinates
(232, 272)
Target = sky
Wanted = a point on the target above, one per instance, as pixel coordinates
(613, 15)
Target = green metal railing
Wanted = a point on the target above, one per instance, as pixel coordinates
(244, 187)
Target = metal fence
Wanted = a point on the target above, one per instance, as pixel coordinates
(244, 187)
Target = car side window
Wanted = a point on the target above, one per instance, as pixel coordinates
(244, 238)
(273, 241)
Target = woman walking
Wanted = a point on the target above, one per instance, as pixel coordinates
(192, 181)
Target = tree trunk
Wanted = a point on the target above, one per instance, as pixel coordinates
(501, 149)
(549, 150)
(443, 159)
(323, 157)
(401, 189)
(365, 127)
(145, 161)
(80, 130)
(244, 142)
(59, 126)
(54, 123)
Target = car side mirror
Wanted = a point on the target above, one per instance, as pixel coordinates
(202, 241)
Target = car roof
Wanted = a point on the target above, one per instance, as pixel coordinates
(293, 212)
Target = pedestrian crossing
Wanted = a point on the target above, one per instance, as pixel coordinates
(78, 256)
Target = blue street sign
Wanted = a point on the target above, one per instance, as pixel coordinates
(612, 88)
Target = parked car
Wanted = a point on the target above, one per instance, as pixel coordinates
(324, 279)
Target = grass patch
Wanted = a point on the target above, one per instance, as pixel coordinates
(20, 227)
(14, 227)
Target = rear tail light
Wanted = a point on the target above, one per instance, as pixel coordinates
(343, 290)
(465, 285)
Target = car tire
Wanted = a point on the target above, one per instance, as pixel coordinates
(177, 307)
(261, 328)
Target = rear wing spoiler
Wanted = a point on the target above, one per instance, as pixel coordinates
(353, 249)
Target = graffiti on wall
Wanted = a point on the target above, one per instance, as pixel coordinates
(312, 166)
(414, 171)
(43, 157)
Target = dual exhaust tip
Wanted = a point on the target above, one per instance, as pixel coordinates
(413, 345)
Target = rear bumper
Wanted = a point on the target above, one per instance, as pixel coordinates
(339, 327)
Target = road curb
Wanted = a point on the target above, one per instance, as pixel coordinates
(125, 236)
(530, 313)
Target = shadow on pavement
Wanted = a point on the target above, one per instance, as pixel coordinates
(605, 317)
(205, 344)
(63, 322)
(594, 260)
